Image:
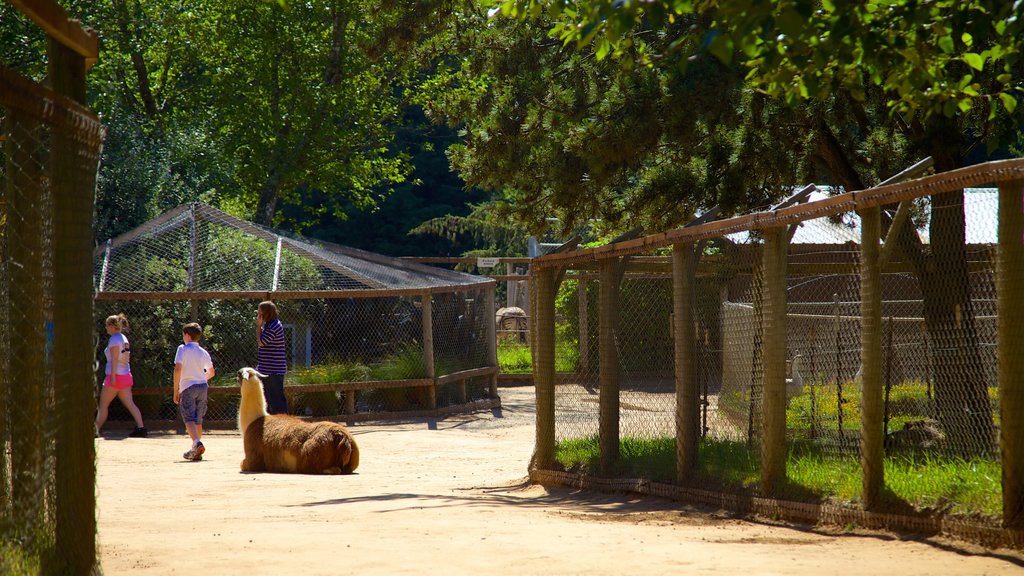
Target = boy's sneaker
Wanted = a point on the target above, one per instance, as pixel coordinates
(196, 453)
(138, 433)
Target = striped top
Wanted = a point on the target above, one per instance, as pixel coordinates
(270, 358)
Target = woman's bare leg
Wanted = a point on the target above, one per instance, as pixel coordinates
(107, 395)
(125, 394)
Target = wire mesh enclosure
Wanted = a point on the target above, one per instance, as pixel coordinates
(367, 336)
(49, 151)
(838, 351)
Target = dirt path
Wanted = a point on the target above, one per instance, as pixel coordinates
(450, 497)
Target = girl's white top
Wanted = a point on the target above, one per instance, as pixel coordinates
(118, 341)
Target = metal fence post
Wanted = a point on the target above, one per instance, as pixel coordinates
(684, 340)
(1010, 342)
(871, 440)
(773, 447)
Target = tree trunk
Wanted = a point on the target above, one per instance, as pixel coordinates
(961, 395)
(290, 158)
(962, 406)
(268, 201)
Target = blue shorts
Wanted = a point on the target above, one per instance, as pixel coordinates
(192, 403)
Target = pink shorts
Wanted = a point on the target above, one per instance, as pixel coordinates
(123, 381)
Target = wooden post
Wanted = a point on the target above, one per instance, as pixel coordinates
(872, 425)
(73, 181)
(428, 346)
(350, 404)
(543, 319)
(1010, 342)
(773, 447)
(687, 393)
(492, 337)
(608, 318)
(581, 296)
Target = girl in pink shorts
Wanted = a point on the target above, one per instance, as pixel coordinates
(118, 381)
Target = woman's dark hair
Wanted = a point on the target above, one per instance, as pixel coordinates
(269, 310)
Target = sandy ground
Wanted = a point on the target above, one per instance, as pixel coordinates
(451, 497)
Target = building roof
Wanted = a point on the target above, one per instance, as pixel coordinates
(980, 213)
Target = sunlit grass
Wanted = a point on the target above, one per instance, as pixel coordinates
(952, 485)
(515, 358)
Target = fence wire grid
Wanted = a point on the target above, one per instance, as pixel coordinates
(367, 336)
(50, 152)
(617, 412)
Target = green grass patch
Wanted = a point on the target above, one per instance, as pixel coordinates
(819, 406)
(951, 485)
(16, 561)
(515, 358)
(330, 373)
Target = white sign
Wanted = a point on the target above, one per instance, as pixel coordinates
(486, 262)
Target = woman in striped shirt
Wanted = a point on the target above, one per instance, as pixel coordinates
(270, 356)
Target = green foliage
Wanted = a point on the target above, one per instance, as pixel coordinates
(560, 134)
(813, 408)
(310, 113)
(514, 358)
(432, 192)
(967, 487)
(944, 59)
(484, 226)
(643, 333)
(950, 485)
(910, 400)
(16, 561)
(407, 364)
(331, 373)
(238, 102)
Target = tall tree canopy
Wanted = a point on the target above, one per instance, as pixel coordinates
(241, 103)
(564, 135)
(298, 99)
(935, 57)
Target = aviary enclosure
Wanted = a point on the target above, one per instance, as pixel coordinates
(368, 336)
(855, 358)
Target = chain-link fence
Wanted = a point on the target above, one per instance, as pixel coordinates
(367, 336)
(50, 150)
(846, 351)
